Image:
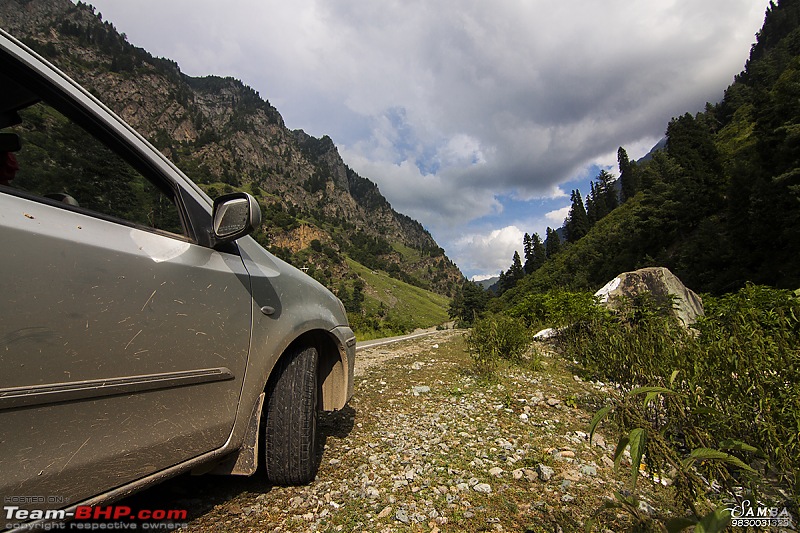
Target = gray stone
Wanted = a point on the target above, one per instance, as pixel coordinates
(483, 488)
(544, 472)
(420, 389)
(662, 284)
(588, 470)
(402, 516)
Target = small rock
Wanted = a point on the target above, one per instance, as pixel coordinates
(565, 454)
(530, 474)
(468, 514)
(297, 501)
(588, 470)
(646, 508)
(546, 333)
(552, 402)
(372, 493)
(544, 472)
(386, 511)
(517, 474)
(420, 389)
(567, 498)
(496, 471)
(417, 365)
(435, 346)
(483, 488)
(334, 461)
(402, 516)
(523, 417)
(571, 475)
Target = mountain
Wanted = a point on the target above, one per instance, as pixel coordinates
(659, 146)
(488, 283)
(317, 211)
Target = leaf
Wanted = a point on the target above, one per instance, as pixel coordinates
(638, 438)
(643, 390)
(714, 522)
(598, 416)
(650, 397)
(621, 445)
(672, 377)
(676, 525)
(709, 454)
(733, 444)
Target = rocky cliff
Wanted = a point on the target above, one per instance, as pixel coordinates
(225, 136)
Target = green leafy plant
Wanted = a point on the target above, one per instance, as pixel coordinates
(661, 429)
(494, 338)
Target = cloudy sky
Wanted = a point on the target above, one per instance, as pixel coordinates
(477, 118)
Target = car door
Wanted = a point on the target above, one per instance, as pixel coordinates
(123, 344)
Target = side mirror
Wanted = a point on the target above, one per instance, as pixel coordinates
(234, 215)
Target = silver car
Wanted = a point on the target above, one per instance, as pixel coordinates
(143, 332)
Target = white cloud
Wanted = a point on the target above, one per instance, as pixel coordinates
(490, 252)
(558, 216)
(450, 105)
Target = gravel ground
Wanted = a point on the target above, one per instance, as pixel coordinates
(426, 446)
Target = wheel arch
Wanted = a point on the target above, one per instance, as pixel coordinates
(332, 367)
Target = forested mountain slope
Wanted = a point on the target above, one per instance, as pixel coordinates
(720, 205)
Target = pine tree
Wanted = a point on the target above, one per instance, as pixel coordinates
(552, 243)
(609, 191)
(627, 175)
(527, 250)
(577, 223)
(539, 253)
(515, 272)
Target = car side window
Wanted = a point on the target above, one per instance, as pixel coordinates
(59, 160)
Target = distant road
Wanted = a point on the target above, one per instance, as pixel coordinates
(389, 340)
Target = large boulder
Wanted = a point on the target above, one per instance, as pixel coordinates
(661, 284)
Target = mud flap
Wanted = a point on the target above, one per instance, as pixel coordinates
(245, 461)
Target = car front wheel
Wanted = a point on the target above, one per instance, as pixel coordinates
(290, 430)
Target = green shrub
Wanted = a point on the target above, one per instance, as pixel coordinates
(497, 337)
(737, 375)
(559, 308)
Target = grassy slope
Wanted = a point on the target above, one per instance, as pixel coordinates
(406, 307)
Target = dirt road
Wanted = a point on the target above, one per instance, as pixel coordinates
(427, 446)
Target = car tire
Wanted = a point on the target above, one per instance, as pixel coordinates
(290, 429)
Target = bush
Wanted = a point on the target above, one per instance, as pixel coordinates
(559, 309)
(737, 376)
(497, 337)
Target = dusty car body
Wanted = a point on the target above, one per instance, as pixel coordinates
(134, 344)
